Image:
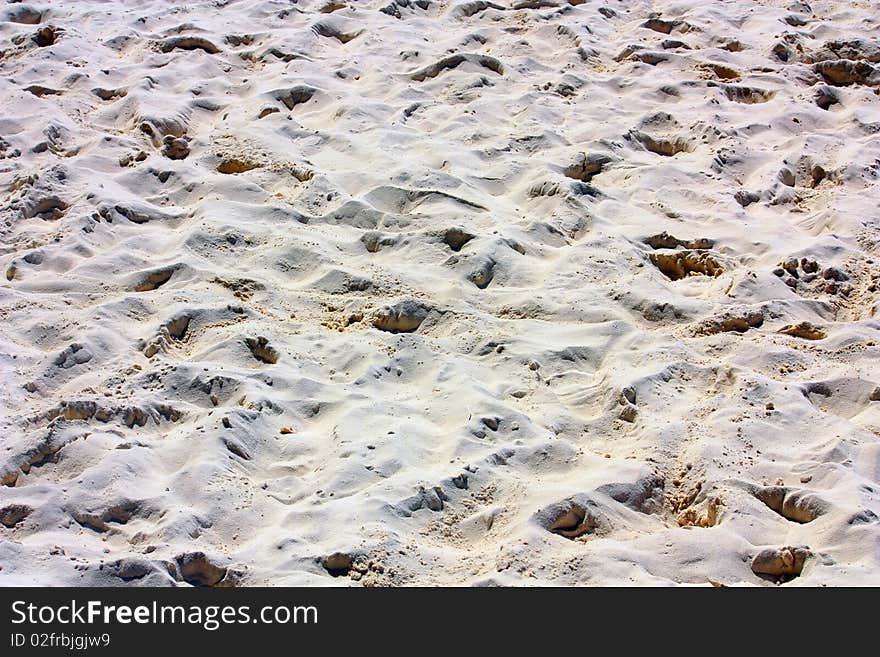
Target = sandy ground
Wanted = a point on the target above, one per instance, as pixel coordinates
(439, 293)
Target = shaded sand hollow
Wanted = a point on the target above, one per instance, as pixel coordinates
(404, 292)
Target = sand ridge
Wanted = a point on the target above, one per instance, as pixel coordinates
(449, 293)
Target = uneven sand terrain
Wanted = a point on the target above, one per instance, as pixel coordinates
(423, 292)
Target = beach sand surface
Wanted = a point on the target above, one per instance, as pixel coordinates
(423, 292)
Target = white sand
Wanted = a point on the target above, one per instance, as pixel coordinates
(202, 374)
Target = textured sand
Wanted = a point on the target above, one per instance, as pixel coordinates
(430, 292)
